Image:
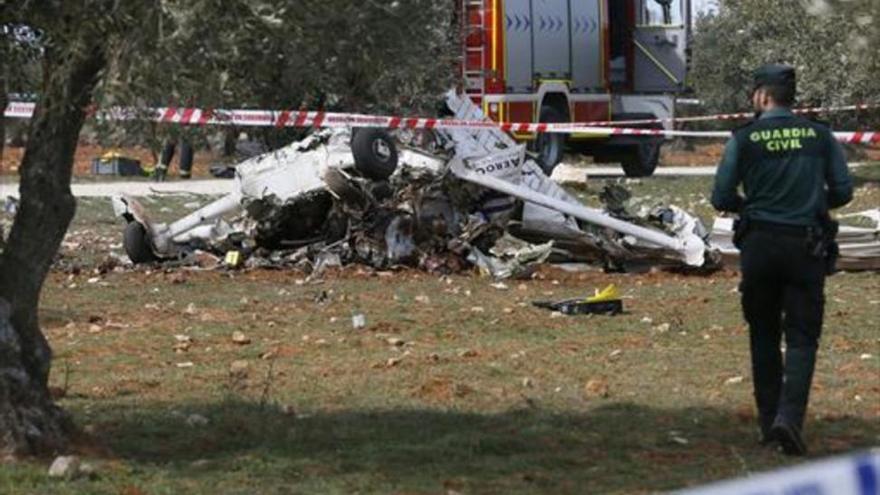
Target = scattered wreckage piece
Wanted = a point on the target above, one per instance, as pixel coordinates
(341, 197)
(281, 191)
(606, 302)
(505, 169)
(859, 245)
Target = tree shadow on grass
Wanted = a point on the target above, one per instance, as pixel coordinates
(611, 448)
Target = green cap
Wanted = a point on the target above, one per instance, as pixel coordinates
(775, 74)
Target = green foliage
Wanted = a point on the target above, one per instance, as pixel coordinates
(377, 55)
(337, 55)
(832, 44)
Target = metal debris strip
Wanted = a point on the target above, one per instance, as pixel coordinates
(460, 199)
(858, 239)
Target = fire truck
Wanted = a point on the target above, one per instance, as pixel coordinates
(578, 61)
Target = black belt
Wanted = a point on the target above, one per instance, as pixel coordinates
(780, 228)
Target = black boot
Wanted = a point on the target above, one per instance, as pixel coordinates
(160, 173)
(799, 366)
(789, 437)
(186, 160)
(767, 372)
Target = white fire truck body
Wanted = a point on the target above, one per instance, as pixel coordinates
(577, 61)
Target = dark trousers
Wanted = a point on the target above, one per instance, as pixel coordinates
(782, 294)
(186, 157)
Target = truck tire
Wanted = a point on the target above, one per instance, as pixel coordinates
(137, 244)
(549, 146)
(375, 154)
(642, 158)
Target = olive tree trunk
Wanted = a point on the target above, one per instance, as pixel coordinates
(30, 423)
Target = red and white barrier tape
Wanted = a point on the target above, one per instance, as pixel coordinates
(735, 116)
(294, 118)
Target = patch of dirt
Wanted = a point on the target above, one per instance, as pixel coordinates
(705, 154)
(441, 390)
(679, 155)
(85, 153)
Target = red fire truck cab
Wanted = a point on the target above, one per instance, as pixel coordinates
(578, 61)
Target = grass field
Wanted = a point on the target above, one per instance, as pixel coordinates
(454, 386)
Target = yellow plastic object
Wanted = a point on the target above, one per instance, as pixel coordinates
(111, 155)
(233, 259)
(609, 293)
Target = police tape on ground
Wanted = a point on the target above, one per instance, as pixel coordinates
(303, 118)
(853, 475)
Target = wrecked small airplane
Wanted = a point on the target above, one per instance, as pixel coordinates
(469, 197)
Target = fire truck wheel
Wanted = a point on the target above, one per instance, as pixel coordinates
(641, 159)
(550, 147)
(375, 154)
(137, 244)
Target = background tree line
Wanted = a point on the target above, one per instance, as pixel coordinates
(832, 43)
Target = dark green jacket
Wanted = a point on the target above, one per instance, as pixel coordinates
(792, 171)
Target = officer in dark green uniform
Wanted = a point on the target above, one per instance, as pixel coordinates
(792, 172)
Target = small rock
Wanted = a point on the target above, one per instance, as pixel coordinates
(734, 380)
(500, 286)
(556, 314)
(394, 341)
(392, 362)
(663, 328)
(478, 309)
(615, 354)
(238, 337)
(239, 369)
(190, 309)
(647, 320)
(527, 382)
(65, 467)
(206, 260)
(195, 420)
(866, 357)
(187, 364)
(358, 321)
(423, 299)
(88, 470)
(468, 353)
(679, 440)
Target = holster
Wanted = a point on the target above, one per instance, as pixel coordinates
(740, 229)
(822, 242)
